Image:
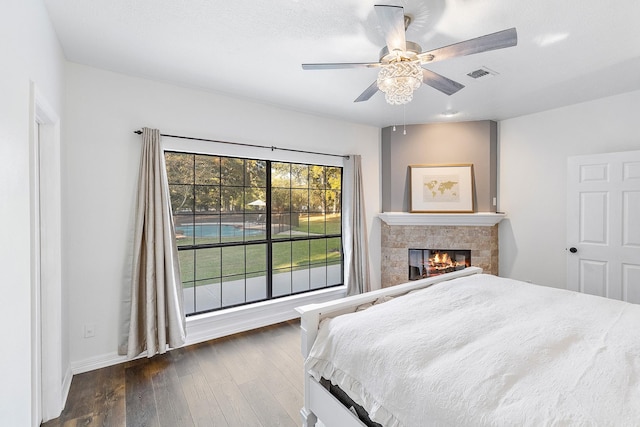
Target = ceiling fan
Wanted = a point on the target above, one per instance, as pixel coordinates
(401, 61)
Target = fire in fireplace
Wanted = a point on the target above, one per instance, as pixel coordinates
(432, 262)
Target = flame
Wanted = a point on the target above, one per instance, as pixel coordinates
(442, 260)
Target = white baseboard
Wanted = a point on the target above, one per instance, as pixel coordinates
(222, 323)
(66, 386)
(97, 362)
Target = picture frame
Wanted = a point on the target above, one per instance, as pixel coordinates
(441, 188)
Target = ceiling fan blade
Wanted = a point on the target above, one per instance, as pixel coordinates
(392, 22)
(338, 65)
(499, 40)
(441, 83)
(368, 92)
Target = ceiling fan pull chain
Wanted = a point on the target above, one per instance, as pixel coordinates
(404, 118)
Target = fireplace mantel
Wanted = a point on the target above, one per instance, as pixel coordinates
(486, 219)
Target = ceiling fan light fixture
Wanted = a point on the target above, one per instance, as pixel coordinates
(401, 60)
(398, 80)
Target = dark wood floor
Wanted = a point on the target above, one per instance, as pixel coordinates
(249, 379)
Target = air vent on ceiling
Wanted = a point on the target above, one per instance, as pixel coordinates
(482, 72)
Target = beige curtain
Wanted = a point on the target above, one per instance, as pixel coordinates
(356, 247)
(157, 315)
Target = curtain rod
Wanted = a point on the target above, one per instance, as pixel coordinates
(139, 132)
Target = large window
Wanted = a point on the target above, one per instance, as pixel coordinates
(252, 230)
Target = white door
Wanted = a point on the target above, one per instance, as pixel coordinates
(603, 225)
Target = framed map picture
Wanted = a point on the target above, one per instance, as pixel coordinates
(441, 188)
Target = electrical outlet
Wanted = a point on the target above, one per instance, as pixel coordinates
(89, 330)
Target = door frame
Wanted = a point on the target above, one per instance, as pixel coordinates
(47, 380)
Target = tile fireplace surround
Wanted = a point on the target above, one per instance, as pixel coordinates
(400, 231)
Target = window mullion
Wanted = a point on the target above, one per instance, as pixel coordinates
(193, 228)
(268, 230)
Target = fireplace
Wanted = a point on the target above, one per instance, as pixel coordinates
(433, 262)
(401, 231)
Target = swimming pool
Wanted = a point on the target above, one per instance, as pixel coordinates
(216, 230)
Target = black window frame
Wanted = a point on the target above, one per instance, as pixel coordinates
(269, 240)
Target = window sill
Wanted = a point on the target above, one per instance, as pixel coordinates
(207, 326)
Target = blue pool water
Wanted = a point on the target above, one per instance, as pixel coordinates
(215, 230)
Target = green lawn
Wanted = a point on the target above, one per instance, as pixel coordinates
(251, 259)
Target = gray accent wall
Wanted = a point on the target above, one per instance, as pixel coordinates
(436, 144)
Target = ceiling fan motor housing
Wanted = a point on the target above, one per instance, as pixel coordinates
(410, 53)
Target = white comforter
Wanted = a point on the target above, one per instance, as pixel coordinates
(482, 350)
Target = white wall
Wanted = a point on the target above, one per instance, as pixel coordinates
(29, 52)
(533, 153)
(100, 160)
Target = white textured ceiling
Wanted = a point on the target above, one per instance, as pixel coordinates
(568, 51)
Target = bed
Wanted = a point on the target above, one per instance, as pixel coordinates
(470, 349)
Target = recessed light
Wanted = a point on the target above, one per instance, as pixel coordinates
(449, 113)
